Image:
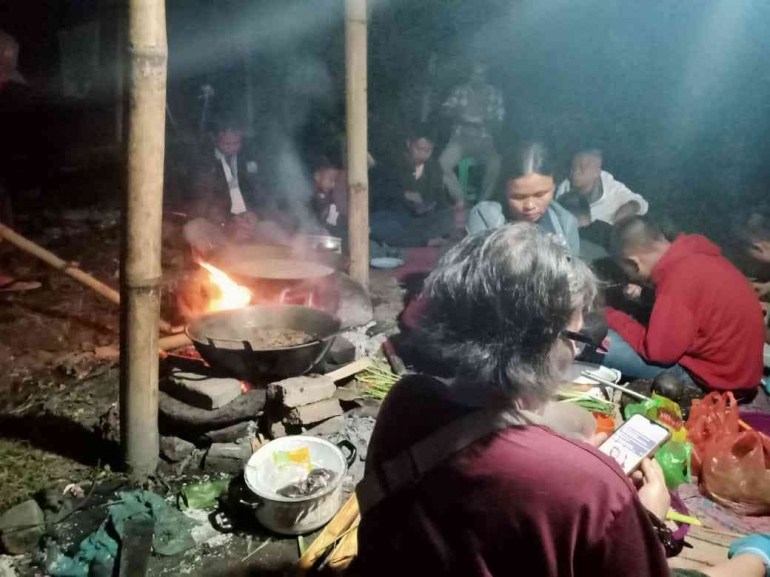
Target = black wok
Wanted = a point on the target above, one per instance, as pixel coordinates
(224, 340)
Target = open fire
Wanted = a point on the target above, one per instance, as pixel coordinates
(226, 294)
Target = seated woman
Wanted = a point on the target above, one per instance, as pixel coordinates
(476, 484)
(529, 188)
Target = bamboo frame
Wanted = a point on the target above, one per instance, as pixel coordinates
(358, 177)
(140, 259)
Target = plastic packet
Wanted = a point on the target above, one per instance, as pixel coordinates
(295, 457)
(674, 459)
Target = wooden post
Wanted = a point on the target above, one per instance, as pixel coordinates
(141, 268)
(120, 72)
(358, 178)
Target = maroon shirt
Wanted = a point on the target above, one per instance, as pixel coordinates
(523, 501)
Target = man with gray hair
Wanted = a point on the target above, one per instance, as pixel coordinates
(610, 200)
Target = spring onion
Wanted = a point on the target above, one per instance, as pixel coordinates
(587, 401)
(377, 380)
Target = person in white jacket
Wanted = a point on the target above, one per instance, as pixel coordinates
(610, 199)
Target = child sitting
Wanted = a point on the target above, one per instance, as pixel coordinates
(609, 199)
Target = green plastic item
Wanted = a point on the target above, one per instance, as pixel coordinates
(204, 495)
(674, 459)
(463, 175)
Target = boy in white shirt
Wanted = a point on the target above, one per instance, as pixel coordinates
(610, 199)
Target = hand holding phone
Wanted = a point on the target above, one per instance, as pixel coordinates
(636, 439)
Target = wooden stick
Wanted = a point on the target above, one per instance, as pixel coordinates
(607, 383)
(67, 268)
(341, 522)
(357, 167)
(350, 369)
(395, 361)
(140, 280)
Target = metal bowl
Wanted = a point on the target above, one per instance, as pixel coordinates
(223, 340)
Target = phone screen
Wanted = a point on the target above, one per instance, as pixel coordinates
(637, 438)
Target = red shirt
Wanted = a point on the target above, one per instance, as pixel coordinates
(706, 317)
(523, 501)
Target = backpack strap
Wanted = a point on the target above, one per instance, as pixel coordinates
(410, 465)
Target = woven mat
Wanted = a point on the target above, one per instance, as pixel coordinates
(720, 518)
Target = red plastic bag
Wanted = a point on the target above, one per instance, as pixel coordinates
(735, 472)
(712, 418)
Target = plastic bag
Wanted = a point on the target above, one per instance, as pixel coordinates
(712, 418)
(735, 472)
(663, 411)
(674, 459)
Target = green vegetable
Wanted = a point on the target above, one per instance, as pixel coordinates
(588, 402)
(377, 380)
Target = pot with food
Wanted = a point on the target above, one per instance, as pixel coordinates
(264, 342)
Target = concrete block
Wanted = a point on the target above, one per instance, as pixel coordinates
(228, 458)
(201, 390)
(277, 430)
(298, 391)
(313, 413)
(174, 449)
(21, 527)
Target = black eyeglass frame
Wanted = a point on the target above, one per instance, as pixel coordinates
(584, 340)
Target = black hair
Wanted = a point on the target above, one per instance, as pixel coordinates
(421, 130)
(597, 152)
(529, 158)
(322, 162)
(635, 233)
(576, 203)
(496, 306)
(225, 122)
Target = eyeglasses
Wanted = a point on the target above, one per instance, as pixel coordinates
(581, 341)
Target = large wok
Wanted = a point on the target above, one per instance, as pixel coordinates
(283, 274)
(225, 340)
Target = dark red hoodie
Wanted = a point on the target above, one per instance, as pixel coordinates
(706, 317)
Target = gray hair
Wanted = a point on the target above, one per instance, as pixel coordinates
(495, 308)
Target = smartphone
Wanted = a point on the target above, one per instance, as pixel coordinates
(635, 440)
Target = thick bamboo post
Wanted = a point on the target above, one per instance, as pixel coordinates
(358, 178)
(140, 278)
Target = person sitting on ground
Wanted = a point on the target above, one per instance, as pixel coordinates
(413, 207)
(529, 188)
(594, 235)
(478, 484)
(610, 200)
(478, 111)
(325, 206)
(706, 323)
(227, 195)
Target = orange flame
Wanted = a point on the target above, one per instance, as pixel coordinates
(231, 294)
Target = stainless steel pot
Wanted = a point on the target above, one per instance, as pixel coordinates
(296, 516)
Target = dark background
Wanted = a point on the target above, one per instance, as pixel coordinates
(675, 93)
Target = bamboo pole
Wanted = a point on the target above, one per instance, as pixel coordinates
(141, 267)
(358, 178)
(70, 269)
